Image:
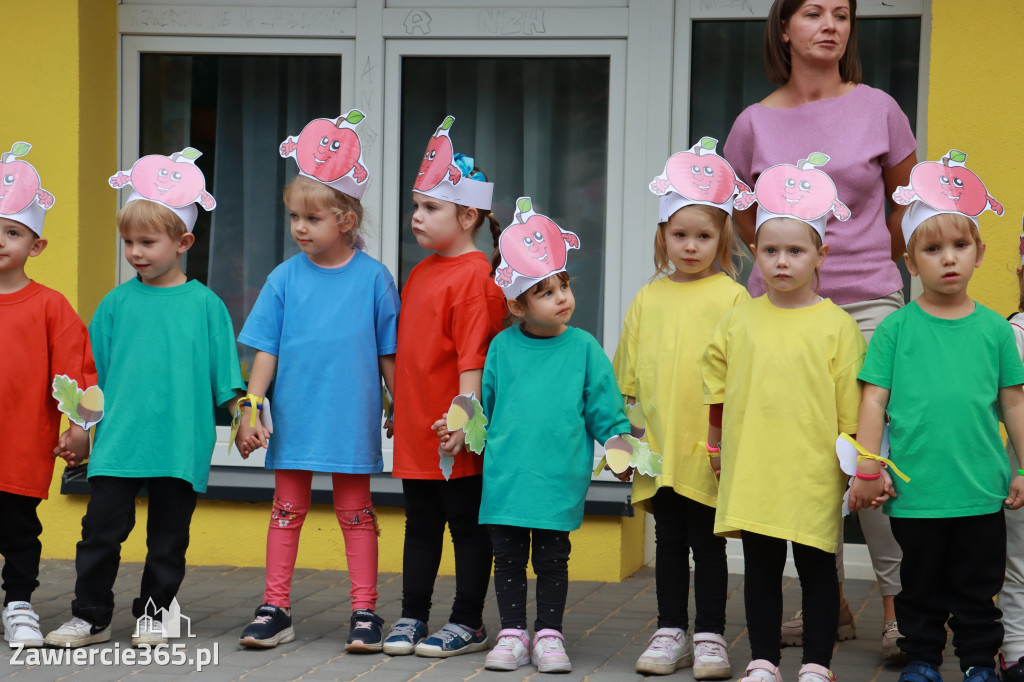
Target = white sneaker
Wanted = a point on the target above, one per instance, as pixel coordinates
(77, 632)
(668, 650)
(548, 652)
(21, 625)
(511, 651)
(149, 632)
(760, 670)
(812, 672)
(711, 661)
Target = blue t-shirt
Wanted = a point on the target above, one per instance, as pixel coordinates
(327, 327)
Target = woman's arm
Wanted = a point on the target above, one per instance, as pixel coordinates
(898, 175)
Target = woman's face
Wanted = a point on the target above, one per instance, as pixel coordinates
(818, 31)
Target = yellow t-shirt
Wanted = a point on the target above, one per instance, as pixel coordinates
(666, 330)
(788, 379)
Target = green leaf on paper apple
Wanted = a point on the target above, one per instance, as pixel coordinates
(957, 155)
(354, 116)
(447, 123)
(190, 153)
(524, 205)
(20, 148)
(708, 142)
(818, 159)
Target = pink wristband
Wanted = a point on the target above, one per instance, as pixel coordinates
(712, 450)
(869, 477)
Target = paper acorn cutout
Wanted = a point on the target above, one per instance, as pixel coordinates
(798, 191)
(329, 150)
(84, 408)
(532, 248)
(945, 186)
(698, 176)
(439, 175)
(21, 196)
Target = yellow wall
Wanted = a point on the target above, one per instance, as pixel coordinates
(974, 104)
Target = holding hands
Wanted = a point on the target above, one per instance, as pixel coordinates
(73, 446)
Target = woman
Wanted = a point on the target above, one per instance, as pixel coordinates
(810, 51)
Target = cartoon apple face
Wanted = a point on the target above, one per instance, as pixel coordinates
(803, 192)
(949, 188)
(19, 181)
(175, 183)
(437, 160)
(706, 178)
(536, 246)
(326, 151)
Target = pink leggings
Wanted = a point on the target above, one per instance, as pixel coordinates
(354, 510)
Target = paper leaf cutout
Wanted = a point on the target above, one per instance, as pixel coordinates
(818, 159)
(466, 414)
(708, 143)
(524, 205)
(84, 408)
(447, 123)
(191, 153)
(954, 155)
(644, 460)
(355, 116)
(447, 462)
(21, 148)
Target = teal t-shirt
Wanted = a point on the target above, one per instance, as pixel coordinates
(548, 400)
(944, 378)
(165, 357)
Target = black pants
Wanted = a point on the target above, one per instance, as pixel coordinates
(429, 505)
(550, 564)
(19, 545)
(681, 524)
(951, 567)
(108, 521)
(764, 559)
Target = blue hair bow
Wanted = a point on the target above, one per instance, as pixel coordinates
(465, 164)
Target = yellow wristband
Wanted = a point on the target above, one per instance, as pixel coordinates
(864, 454)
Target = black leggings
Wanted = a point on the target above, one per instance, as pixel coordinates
(20, 545)
(764, 558)
(681, 524)
(550, 564)
(429, 505)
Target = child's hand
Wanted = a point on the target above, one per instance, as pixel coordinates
(1015, 500)
(389, 427)
(73, 446)
(623, 476)
(887, 490)
(716, 465)
(864, 493)
(452, 442)
(250, 438)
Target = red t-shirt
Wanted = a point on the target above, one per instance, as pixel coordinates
(42, 336)
(451, 309)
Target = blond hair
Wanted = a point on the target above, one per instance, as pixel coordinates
(728, 250)
(149, 216)
(928, 228)
(313, 195)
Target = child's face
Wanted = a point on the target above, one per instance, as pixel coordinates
(155, 255)
(319, 233)
(436, 225)
(945, 258)
(788, 256)
(692, 245)
(17, 243)
(548, 310)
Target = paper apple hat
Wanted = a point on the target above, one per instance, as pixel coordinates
(945, 186)
(697, 176)
(21, 197)
(173, 181)
(448, 176)
(328, 150)
(802, 192)
(532, 249)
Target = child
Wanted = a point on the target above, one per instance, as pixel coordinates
(1011, 597)
(780, 373)
(940, 368)
(166, 357)
(42, 336)
(658, 366)
(539, 457)
(451, 310)
(324, 331)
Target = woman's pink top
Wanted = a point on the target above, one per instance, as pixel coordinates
(864, 132)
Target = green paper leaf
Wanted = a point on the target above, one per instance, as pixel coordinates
(355, 116)
(524, 205)
(447, 462)
(818, 159)
(644, 460)
(476, 428)
(708, 143)
(954, 155)
(191, 153)
(20, 148)
(447, 123)
(67, 394)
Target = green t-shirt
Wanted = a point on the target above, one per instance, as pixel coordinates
(548, 400)
(944, 378)
(165, 357)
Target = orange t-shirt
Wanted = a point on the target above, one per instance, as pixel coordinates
(41, 336)
(451, 309)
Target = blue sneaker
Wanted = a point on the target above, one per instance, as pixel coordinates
(271, 626)
(919, 671)
(405, 634)
(364, 634)
(452, 640)
(978, 674)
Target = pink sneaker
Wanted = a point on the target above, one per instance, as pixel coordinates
(711, 661)
(761, 670)
(812, 672)
(548, 652)
(511, 651)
